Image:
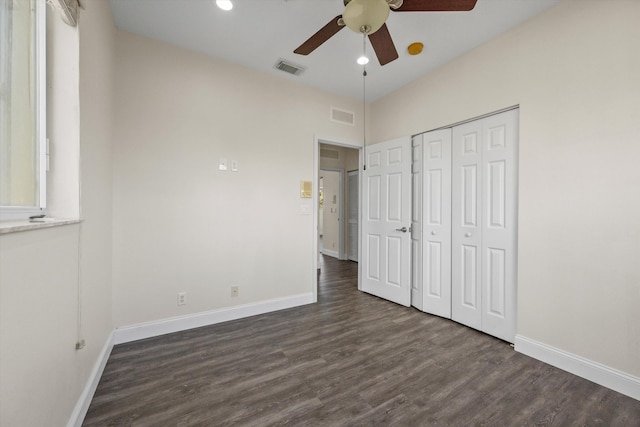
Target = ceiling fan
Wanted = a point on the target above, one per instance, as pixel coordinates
(369, 17)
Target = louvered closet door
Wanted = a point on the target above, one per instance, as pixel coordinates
(466, 235)
(436, 215)
(499, 231)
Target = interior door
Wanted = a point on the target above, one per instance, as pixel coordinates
(437, 222)
(352, 217)
(466, 235)
(386, 220)
(484, 228)
(499, 231)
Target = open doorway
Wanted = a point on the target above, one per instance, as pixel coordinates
(338, 166)
(331, 213)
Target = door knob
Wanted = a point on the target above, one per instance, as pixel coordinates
(467, 234)
(403, 229)
(433, 233)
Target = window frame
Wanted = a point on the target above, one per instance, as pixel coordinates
(41, 146)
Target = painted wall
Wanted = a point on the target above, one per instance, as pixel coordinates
(574, 71)
(42, 374)
(181, 224)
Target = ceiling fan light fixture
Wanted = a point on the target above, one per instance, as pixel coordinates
(224, 4)
(365, 16)
(363, 60)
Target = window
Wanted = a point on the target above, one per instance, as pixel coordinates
(22, 108)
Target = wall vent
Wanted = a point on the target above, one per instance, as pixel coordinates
(289, 67)
(329, 154)
(342, 116)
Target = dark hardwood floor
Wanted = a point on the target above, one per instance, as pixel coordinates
(352, 359)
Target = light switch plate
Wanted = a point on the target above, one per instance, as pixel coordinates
(223, 164)
(234, 166)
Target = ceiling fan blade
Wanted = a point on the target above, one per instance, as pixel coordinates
(383, 45)
(436, 6)
(320, 37)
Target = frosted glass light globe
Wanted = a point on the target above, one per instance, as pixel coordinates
(365, 16)
(224, 4)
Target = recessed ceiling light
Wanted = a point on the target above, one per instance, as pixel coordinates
(363, 60)
(224, 4)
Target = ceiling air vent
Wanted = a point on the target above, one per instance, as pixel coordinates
(289, 67)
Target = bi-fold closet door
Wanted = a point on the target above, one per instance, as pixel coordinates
(469, 223)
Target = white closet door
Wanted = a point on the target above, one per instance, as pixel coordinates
(466, 235)
(386, 218)
(436, 215)
(499, 230)
(416, 224)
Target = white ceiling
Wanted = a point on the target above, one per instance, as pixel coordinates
(256, 33)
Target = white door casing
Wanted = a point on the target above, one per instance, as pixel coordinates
(436, 230)
(386, 219)
(416, 224)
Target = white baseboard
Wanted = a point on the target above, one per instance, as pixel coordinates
(182, 323)
(330, 253)
(82, 406)
(585, 368)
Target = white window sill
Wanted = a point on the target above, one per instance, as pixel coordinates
(7, 227)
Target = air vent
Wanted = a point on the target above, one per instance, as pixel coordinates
(329, 154)
(342, 116)
(289, 67)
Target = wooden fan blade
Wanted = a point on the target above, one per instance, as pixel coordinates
(383, 45)
(320, 37)
(436, 6)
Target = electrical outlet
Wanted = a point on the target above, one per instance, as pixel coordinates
(182, 298)
(234, 291)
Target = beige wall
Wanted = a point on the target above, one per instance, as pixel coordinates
(97, 51)
(574, 72)
(180, 224)
(63, 117)
(42, 374)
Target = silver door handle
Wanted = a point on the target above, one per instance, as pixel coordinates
(403, 229)
(433, 233)
(467, 235)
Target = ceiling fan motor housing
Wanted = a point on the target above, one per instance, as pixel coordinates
(365, 16)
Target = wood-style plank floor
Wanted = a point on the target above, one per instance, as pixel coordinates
(350, 360)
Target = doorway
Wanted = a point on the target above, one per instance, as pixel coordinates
(337, 229)
(330, 213)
